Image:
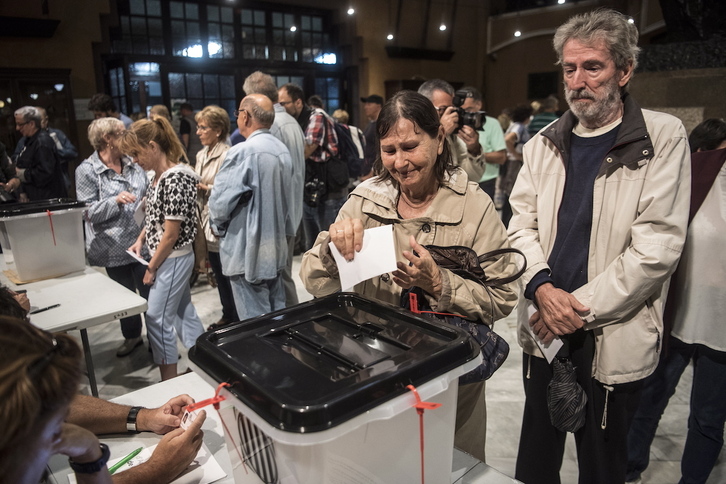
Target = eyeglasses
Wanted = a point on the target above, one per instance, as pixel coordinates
(284, 103)
(238, 111)
(20, 125)
(203, 128)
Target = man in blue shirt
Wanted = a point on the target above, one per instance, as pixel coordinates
(249, 209)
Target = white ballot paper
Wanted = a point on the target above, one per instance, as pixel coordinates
(376, 257)
(204, 469)
(140, 213)
(550, 349)
(145, 262)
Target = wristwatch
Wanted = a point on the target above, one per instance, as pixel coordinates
(92, 467)
(131, 420)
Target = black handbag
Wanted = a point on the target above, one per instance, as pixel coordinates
(464, 262)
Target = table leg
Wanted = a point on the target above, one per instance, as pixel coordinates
(89, 363)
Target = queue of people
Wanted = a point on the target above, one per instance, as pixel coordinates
(614, 215)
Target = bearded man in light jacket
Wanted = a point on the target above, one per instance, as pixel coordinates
(600, 210)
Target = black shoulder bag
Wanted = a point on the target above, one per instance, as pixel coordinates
(465, 263)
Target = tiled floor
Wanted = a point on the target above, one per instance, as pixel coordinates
(505, 396)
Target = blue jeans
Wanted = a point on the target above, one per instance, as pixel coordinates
(705, 422)
(253, 300)
(171, 312)
(317, 219)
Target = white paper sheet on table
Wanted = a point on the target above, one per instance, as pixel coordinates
(376, 257)
(204, 469)
(550, 349)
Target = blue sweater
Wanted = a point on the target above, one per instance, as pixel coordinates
(569, 257)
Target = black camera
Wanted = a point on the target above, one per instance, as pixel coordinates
(475, 120)
(313, 192)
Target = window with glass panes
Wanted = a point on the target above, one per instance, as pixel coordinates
(284, 41)
(201, 90)
(117, 86)
(312, 37)
(328, 88)
(220, 32)
(254, 34)
(142, 30)
(186, 36)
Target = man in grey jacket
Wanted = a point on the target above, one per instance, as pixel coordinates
(600, 210)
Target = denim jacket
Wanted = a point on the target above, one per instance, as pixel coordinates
(249, 207)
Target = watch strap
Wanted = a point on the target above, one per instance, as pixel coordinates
(131, 419)
(92, 467)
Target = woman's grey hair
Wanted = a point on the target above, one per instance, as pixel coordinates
(30, 114)
(428, 87)
(612, 27)
(101, 127)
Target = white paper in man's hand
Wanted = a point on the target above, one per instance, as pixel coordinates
(376, 257)
(550, 349)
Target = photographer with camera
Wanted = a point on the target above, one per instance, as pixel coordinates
(463, 137)
(491, 138)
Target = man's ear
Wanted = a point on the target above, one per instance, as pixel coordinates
(627, 75)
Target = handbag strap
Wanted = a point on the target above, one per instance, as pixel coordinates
(497, 252)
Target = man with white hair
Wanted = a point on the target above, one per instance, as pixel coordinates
(600, 211)
(37, 165)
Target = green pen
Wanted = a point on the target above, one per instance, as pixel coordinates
(123, 461)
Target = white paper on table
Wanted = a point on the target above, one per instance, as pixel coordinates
(376, 257)
(140, 213)
(550, 349)
(204, 469)
(143, 261)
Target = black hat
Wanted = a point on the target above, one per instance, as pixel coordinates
(373, 98)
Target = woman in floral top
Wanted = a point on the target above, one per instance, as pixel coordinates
(171, 224)
(113, 188)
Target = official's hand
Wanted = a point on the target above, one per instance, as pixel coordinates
(202, 187)
(177, 449)
(449, 120)
(347, 236)
(166, 418)
(125, 197)
(559, 309)
(470, 137)
(421, 270)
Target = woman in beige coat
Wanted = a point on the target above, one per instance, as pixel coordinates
(213, 129)
(428, 201)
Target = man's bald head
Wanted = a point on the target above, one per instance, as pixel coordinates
(256, 112)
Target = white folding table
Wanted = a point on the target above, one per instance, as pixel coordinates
(465, 469)
(85, 299)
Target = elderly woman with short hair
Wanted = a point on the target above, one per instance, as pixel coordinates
(113, 187)
(213, 127)
(427, 201)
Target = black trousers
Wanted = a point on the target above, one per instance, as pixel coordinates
(601, 443)
(131, 276)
